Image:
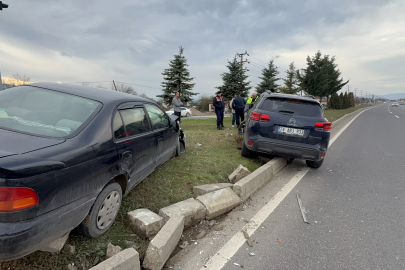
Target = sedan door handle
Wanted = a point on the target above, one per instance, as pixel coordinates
(126, 154)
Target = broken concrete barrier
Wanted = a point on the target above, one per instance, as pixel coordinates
(251, 183)
(204, 189)
(219, 202)
(192, 210)
(55, 245)
(112, 250)
(163, 244)
(144, 222)
(128, 259)
(238, 174)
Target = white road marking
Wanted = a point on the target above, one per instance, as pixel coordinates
(396, 116)
(222, 256)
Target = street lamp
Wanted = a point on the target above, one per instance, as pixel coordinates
(3, 5)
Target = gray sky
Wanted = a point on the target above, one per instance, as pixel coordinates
(133, 41)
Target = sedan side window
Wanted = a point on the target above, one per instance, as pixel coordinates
(118, 126)
(157, 117)
(135, 121)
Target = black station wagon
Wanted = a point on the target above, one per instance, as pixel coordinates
(289, 126)
(67, 156)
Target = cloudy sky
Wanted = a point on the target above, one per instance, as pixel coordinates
(133, 41)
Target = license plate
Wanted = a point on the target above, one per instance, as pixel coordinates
(291, 131)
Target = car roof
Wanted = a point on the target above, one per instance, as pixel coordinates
(310, 99)
(103, 95)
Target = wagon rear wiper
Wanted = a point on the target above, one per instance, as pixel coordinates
(286, 112)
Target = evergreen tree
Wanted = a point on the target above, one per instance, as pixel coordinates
(321, 77)
(346, 101)
(290, 82)
(352, 102)
(269, 78)
(334, 102)
(234, 81)
(341, 101)
(177, 79)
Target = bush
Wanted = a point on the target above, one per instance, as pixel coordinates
(204, 102)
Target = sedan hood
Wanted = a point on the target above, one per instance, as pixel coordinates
(14, 143)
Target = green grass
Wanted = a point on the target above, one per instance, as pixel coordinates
(211, 162)
(333, 115)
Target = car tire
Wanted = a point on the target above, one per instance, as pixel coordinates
(178, 149)
(187, 114)
(109, 201)
(245, 152)
(314, 164)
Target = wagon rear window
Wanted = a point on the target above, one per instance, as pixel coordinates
(44, 112)
(292, 106)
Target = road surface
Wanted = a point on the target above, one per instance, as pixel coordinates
(355, 205)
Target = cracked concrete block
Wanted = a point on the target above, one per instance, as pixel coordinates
(163, 244)
(144, 222)
(127, 259)
(55, 245)
(112, 250)
(204, 189)
(192, 210)
(219, 202)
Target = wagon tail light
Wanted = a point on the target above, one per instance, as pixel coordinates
(17, 198)
(260, 117)
(326, 126)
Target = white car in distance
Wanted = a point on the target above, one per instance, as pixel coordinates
(184, 112)
(394, 104)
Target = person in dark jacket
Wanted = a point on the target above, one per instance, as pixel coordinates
(219, 105)
(239, 106)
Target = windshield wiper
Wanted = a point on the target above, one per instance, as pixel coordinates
(286, 112)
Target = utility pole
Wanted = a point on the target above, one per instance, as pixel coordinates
(241, 58)
(361, 97)
(115, 86)
(355, 94)
(3, 5)
(348, 88)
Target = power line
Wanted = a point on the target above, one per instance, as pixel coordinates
(259, 60)
(141, 85)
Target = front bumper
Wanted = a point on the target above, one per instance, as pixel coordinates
(18, 239)
(286, 149)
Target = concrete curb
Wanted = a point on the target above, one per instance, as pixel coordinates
(257, 179)
(219, 202)
(127, 259)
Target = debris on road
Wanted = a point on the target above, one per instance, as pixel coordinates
(248, 241)
(252, 254)
(184, 245)
(201, 234)
(302, 208)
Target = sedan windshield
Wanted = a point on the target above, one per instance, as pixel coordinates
(44, 112)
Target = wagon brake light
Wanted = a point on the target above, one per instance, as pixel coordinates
(260, 117)
(17, 198)
(323, 125)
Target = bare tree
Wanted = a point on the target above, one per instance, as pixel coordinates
(124, 88)
(17, 80)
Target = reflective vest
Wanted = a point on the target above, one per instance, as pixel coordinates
(250, 100)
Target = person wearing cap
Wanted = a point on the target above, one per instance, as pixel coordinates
(219, 105)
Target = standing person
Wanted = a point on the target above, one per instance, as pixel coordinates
(239, 106)
(219, 105)
(252, 99)
(176, 102)
(233, 111)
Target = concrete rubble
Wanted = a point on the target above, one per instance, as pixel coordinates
(112, 250)
(192, 211)
(219, 202)
(238, 174)
(56, 245)
(163, 244)
(144, 222)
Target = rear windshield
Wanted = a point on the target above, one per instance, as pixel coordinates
(44, 112)
(292, 107)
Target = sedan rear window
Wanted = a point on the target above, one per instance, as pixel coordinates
(292, 107)
(44, 112)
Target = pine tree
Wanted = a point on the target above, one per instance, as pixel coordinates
(341, 101)
(290, 82)
(234, 81)
(352, 102)
(177, 79)
(269, 78)
(334, 102)
(347, 101)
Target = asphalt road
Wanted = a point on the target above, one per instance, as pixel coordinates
(354, 202)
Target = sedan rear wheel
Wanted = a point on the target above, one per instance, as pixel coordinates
(103, 212)
(187, 114)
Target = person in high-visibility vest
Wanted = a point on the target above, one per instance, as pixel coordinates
(252, 99)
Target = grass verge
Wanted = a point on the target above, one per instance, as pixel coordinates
(210, 157)
(333, 115)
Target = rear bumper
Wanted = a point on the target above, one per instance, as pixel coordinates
(286, 149)
(18, 239)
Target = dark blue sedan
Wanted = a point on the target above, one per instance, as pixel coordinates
(67, 156)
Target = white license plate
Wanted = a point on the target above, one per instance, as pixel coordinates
(291, 131)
